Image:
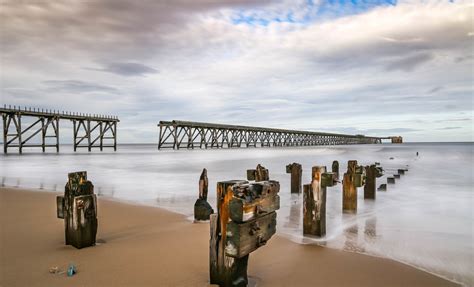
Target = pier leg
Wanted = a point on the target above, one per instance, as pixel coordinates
(43, 135)
(5, 133)
(296, 175)
(89, 146)
(101, 136)
(18, 129)
(57, 134)
(115, 136)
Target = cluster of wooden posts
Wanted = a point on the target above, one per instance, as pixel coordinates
(245, 221)
(246, 217)
(246, 211)
(314, 193)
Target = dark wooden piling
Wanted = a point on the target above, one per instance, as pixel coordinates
(335, 169)
(296, 176)
(258, 174)
(78, 208)
(349, 189)
(224, 270)
(245, 221)
(314, 204)
(202, 209)
(370, 181)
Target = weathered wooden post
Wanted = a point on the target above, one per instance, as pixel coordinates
(258, 174)
(353, 178)
(78, 208)
(314, 202)
(245, 221)
(371, 173)
(369, 187)
(202, 208)
(335, 170)
(296, 175)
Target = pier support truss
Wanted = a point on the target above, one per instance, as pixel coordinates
(40, 126)
(182, 134)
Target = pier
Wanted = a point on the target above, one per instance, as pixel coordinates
(190, 135)
(89, 130)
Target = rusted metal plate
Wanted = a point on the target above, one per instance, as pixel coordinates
(243, 238)
(60, 206)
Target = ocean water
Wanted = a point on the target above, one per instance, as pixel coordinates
(425, 220)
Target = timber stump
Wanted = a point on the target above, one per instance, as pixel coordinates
(245, 221)
(78, 208)
(202, 208)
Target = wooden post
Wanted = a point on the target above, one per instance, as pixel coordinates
(78, 207)
(258, 174)
(296, 175)
(245, 221)
(314, 204)
(349, 189)
(382, 187)
(202, 209)
(335, 169)
(370, 182)
(225, 270)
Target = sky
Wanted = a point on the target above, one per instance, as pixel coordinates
(377, 68)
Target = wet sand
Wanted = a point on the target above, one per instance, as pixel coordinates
(147, 246)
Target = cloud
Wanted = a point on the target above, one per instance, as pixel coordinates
(374, 68)
(72, 86)
(128, 69)
(409, 63)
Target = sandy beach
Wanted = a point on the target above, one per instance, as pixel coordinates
(147, 246)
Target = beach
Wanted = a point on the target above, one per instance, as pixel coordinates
(149, 246)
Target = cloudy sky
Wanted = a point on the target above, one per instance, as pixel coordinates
(372, 67)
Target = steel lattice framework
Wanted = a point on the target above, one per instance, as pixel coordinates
(183, 134)
(89, 131)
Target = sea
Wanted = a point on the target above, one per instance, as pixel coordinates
(425, 219)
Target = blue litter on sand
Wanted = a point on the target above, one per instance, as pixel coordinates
(71, 270)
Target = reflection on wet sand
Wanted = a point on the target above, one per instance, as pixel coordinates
(370, 231)
(294, 218)
(352, 239)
